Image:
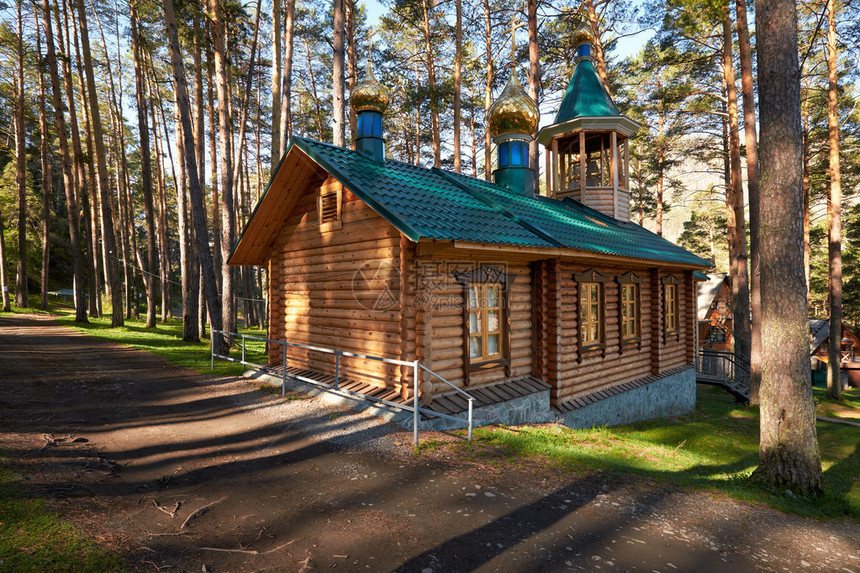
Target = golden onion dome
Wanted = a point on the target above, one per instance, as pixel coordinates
(513, 111)
(369, 94)
(583, 35)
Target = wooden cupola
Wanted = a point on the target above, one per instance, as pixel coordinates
(587, 146)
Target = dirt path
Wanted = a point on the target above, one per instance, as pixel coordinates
(116, 438)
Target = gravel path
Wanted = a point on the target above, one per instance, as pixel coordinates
(179, 471)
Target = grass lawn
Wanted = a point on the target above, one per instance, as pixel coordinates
(34, 538)
(166, 341)
(714, 448)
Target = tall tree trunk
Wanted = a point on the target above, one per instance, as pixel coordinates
(159, 198)
(339, 127)
(47, 172)
(187, 269)
(834, 385)
(806, 192)
(735, 209)
(108, 235)
(534, 82)
(213, 159)
(228, 214)
(145, 171)
(745, 56)
(246, 101)
(352, 67)
(80, 177)
(488, 91)
(199, 103)
(788, 447)
(276, 83)
(286, 105)
(68, 178)
(458, 65)
(219, 343)
(4, 284)
(22, 295)
(661, 166)
(431, 86)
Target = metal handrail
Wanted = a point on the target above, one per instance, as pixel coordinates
(415, 365)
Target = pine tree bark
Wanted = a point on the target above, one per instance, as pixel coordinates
(735, 209)
(286, 105)
(745, 56)
(488, 91)
(228, 214)
(145, 170)
(599, 54)
(834, 385)
(431, 86)
(352, 67)
(276, 83)
(108, 234)
(22, 295)
(534, 82)
(4, 284)
(219, 343)
(47, 172)
(68, 177)
(458, 77)
(788, 447)
(339, 127)
(186, 262)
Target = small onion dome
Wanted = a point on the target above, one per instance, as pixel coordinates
(368, 94)
(583, 35)
(513, 111)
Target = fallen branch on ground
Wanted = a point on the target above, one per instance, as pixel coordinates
(198, 512)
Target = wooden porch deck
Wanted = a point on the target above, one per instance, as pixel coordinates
(449, 403)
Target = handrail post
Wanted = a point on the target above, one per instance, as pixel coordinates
(470, 418)
(284, 369)
(212, 348)
(415, 403)
(337, 370)
(243, 348)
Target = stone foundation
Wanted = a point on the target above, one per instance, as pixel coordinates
(670, 395)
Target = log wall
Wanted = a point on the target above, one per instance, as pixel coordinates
(337, 286)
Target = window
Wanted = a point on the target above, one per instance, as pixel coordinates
(486, 332)
(592, 314)
(629, 311)
(671, 295)
(513, 153)
(485, 322)
(369, 124)
(629, 305)
(717, 334)
(592, 333)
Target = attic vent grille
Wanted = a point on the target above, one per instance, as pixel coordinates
(329, 208)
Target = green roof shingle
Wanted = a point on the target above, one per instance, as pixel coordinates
(437, 204)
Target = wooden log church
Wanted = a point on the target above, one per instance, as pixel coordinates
(545, 306)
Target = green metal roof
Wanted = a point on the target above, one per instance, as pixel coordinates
(586, 96)
(435, 204)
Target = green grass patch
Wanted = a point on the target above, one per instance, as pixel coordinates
(848, 408)
(714, 448)
(34, 538)
(165, 340)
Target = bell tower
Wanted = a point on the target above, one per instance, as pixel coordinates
(587, 146)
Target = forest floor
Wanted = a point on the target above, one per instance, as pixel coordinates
(173, 470)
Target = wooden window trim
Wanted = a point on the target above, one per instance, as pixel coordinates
(487, 275)
(325, 193)
(671, 333)
(591, 276)
(630, 278)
